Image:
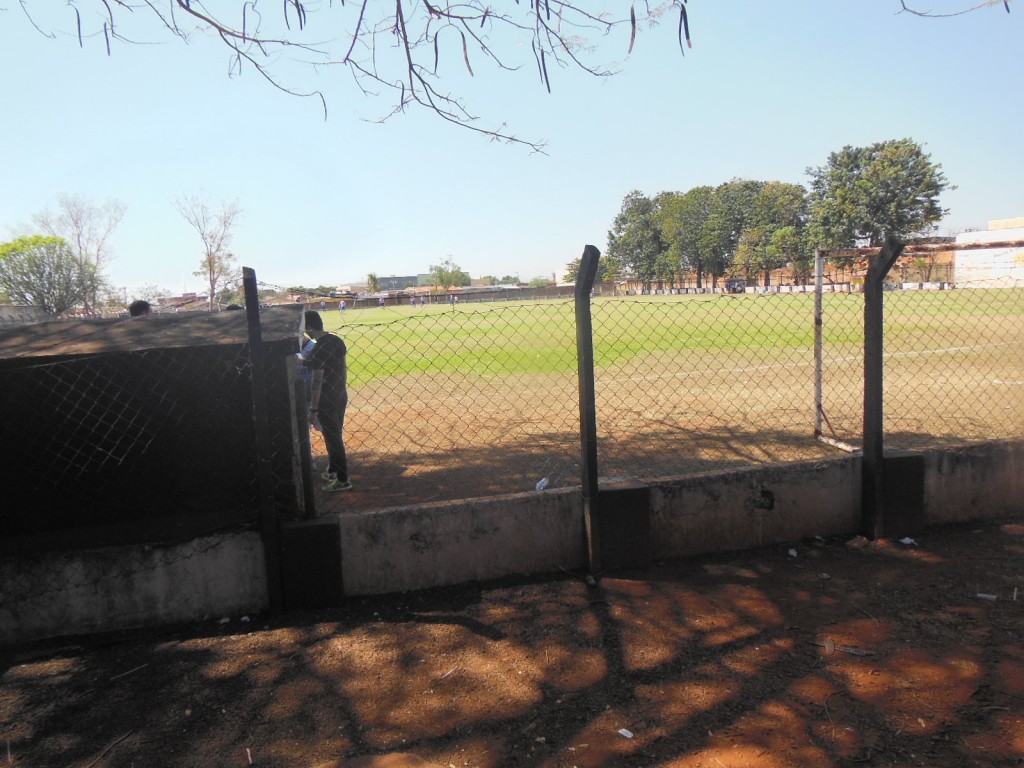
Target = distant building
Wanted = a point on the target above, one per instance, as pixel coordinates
(394, 283)
(999, 265)
(184, 302)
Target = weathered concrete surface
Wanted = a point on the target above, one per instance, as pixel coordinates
(68, 593)
(743, 509)
(404, 548)
(974, 481)
(439, 544)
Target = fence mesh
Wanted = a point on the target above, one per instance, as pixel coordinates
(108, 433)
(448, 403)
(475, 400)
(953, 363)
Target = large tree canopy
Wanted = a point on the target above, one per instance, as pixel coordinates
(43, 272)
(635, 239)
(863, 194)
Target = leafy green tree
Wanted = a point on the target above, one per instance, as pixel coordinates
(635, 240)
(789, 245)
(778, 206)
(607, 270)
(863, 194)
(730, 213)
(372, 282)
(683, 217)
(749, 252)
(447, 274)
(45, 272)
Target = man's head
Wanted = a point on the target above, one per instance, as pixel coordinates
(314, 323)
(138, 308)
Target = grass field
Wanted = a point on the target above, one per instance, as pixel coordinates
(483, 398)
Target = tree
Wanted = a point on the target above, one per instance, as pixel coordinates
(863, 194)
(447, 274)
(780, 214)
(730, 213)
(86, 228)
(607, 270)
(148, 292)
(372, 282)
(215, 230)
(635, 240)
(683, 218)
(43, 271)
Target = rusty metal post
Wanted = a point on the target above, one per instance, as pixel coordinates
(873, 460)
(269, 531)
(588, 406)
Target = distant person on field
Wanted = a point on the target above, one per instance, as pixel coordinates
(139, 307)
(341, 306)
(381, 302)
(329, 398)
(323, 306)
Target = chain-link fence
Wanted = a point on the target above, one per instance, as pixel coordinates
(953, 364)
(131, 422)
(454, 402)
(479, 400)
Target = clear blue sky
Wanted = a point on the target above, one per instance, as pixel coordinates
(767, 90)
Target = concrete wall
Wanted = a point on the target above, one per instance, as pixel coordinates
(974, 481)
(11, 314)
(406, 548)
(446, 543)
(730, 511)
(434, 545)
(68, 593)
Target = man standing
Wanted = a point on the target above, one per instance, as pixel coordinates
(329, 398)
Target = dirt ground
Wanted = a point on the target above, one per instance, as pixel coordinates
(820, 653)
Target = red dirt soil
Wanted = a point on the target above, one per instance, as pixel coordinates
(817, 654)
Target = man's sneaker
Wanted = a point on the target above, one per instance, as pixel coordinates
(338, 485)
(328, 476)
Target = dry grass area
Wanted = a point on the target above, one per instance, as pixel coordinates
(819, 654)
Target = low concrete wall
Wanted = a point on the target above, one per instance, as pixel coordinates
(68, 593)
(745, 509)
(404, 548)
(974, 481)
(439, 544)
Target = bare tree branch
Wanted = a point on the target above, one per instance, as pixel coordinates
(928, 14)
(391, 48)
(215, 229)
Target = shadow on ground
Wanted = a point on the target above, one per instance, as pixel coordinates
(839, 655)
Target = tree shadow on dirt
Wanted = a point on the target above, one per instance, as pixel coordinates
(838, 656)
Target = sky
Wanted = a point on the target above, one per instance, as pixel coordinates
(767, 90)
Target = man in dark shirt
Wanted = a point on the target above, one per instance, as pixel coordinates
(329, 398)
